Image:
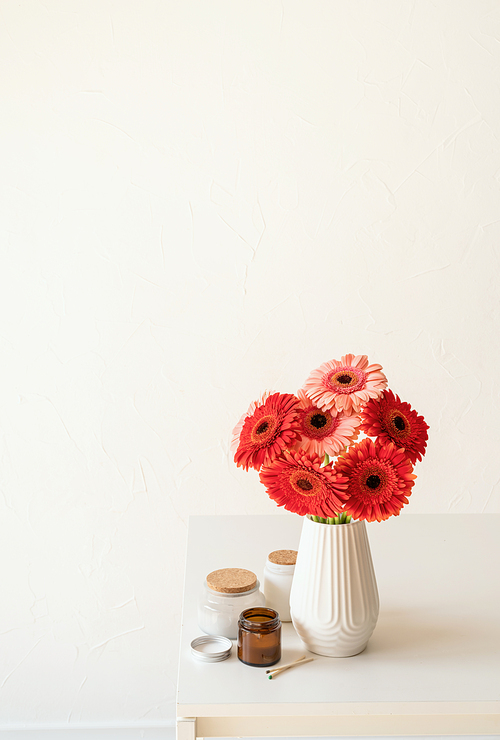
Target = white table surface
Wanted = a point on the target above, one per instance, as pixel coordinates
(432, 665)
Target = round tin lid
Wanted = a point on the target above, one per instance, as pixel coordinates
(211, 648)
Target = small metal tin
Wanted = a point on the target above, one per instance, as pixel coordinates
(211, 648)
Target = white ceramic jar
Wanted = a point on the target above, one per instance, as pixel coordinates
(277, 581)
(225, 594)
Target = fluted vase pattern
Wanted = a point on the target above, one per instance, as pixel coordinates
(334, 598)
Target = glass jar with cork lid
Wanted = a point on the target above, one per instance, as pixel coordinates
(226, 593)
(277, 581)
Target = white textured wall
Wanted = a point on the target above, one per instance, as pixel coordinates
(202, 200)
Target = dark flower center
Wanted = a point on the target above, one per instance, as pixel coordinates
(262, 428)
(399, 423)
(373, 481)
(304, 484)
(344, 379)
(318, 421)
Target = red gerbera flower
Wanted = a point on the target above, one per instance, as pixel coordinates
(324, 431)
(266, 431)
(235, 437)
(345, 385)
(380, 479)
(392, 420)
(297, 481)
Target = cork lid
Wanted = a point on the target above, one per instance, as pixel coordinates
(231, 580)
(283, 557)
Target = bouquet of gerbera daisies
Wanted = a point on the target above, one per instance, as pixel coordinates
(290, 439)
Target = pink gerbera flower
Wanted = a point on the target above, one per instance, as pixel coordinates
(266, 431)
(345, 385)
(297, 481)
(324, 431)
(393, 420)
(380, 479)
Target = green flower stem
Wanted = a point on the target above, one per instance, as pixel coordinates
(342, 518)
(336, 519)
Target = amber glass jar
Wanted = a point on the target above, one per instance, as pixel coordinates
(259, 636)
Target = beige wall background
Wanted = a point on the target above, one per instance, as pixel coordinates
(201, 201)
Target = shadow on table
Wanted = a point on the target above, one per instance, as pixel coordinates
(414, 634)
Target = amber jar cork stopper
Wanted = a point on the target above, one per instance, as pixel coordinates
(231, 580)
(283, 557)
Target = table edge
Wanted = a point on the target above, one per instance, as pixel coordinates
(344, 708)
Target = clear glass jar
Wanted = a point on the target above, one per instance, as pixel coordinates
(218, 611)
(259, 637)
(277, 581)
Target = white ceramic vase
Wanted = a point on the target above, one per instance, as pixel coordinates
(334, 598)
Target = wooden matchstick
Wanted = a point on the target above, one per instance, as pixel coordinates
(273, 674)
(278, 668)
